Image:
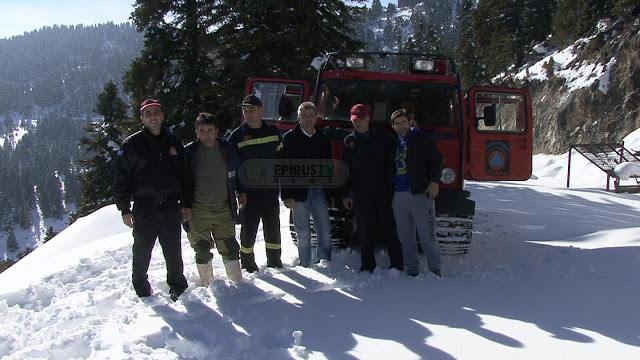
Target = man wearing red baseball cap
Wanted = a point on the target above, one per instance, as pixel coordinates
(368, 152)
(151, 170)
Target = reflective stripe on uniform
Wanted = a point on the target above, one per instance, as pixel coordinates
(246, 250)
(258, 141)
(272, 246)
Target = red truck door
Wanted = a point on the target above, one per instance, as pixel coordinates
(500, 150)
(280, 99)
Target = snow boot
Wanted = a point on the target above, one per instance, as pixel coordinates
(248, 262)
(234, 273)
(273, 258)
(206, 273)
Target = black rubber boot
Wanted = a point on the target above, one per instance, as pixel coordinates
(273, 258)
(248, 262)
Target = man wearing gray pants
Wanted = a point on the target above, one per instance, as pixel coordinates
(418, 166)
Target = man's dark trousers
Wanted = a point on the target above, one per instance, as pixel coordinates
(373, 213)
(265, 205)
(163, 222)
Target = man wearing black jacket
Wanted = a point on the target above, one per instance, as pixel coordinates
(307, 142)
(257, 140)
(418, 169)
(151, 170)
(368, 153)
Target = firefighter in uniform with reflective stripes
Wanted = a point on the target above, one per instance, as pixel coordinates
(255, 139)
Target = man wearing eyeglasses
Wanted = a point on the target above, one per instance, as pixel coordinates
(151, 170)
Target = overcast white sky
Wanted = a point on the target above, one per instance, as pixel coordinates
(20, 16)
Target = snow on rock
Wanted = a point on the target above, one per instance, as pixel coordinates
(540, 49)
(577, 75)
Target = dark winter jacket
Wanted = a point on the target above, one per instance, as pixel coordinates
(423, 160)
(231, 161)
(370, 161)
(262, 143)
(297, 145)
(152, 168)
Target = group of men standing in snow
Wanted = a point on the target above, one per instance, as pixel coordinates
(391, 185)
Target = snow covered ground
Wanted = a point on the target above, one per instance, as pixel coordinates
(553, 273)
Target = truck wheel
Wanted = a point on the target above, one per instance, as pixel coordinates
(454, 233)
(342, 229)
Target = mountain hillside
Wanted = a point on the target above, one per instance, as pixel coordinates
(589, 92)
(49, 82)
(61, 69)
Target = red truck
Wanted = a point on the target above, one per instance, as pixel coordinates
(484, 133)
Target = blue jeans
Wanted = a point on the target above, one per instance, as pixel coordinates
(416, 212)
(314, 207)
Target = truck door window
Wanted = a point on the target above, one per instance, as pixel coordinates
(279, 101)
(510, 112)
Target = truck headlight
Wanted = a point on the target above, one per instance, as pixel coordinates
(448, 176)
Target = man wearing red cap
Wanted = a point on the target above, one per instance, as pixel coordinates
(151, 170)
(368, 152)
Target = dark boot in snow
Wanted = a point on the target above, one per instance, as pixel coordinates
(273, 258)
(174, 294)
(248, 262)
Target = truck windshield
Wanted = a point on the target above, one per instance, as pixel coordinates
(432, 105)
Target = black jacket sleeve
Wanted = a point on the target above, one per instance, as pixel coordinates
(345, 190)
(123, 180)
(187, 181)
(433, 157)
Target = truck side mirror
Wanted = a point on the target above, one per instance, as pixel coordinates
(489, 116)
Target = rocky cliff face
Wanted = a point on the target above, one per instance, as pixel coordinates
(604, 111)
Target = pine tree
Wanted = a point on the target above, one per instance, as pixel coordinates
(276, 39)
(564, 23)
(50, 234)
(175, 65)
(198, 55)
(388, 37)
(12, 242)
(498, 35)
(434, 44)
(22, 216)
(471, 72)
(578, 18)
(420, 38)
(623, 7)
(391, 10)
(376, 10)
(536, 19)
(102, 142)
(49, 192)
(592, 12)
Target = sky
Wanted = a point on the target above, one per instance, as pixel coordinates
(552, 273)
(18, 17)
